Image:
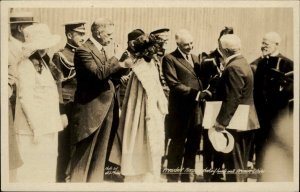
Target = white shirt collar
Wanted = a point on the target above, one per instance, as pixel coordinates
(96, 43)
(276, 53)
(183, 54)
(231, 57)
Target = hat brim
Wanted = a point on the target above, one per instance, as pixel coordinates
(79, 30)
(212, 137)
(14, 22)
(44, 43)
(230, 145)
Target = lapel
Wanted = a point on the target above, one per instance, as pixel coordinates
(95, 51)
(184, 62)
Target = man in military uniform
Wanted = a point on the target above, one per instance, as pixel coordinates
(211, 70)
(273, 91)
(75, 32)
(163, 37)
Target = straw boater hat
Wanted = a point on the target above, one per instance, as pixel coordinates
(21, 17)
(222, 141)
(38, 37)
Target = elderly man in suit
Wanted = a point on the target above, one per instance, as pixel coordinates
(211, 71)
(273, 91)
(185, 108)
(235, 88)
(96, 108)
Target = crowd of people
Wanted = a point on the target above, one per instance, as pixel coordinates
(96, 112)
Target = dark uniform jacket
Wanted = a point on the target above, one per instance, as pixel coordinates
(211, 69)
(64, 60)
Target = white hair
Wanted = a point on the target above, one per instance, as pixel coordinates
(231, 42)
(272, 36)
(182, 34)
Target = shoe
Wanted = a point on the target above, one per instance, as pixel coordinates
(115, 176)
(216, 178)
(189, 177)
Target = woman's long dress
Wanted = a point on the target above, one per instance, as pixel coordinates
(142, 123)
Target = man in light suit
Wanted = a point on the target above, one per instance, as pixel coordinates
(96, 108)
(235, 88)
(185, 108)
(18, 22)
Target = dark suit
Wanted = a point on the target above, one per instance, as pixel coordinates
(95, 113)
(236, 87)
(272, 93)
(185, 113)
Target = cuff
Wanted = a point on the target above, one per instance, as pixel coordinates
(198, 95)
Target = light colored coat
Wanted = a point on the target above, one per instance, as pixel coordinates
(142, 122)
(37, 105)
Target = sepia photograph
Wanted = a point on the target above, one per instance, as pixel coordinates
(149, 95)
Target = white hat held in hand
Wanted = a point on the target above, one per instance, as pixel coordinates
(222, 141)
(38, 37)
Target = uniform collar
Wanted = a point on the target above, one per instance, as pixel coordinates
(71, 47)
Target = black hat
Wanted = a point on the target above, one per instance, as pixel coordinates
(77, 26)
(160, 31)
(135, 34)
(226, 30)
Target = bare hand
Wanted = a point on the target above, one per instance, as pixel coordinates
(64, 120)
(124, 79)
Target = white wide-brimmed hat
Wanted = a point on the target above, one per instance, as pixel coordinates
(39, 37)
(222, 141)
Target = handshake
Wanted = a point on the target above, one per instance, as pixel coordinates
(204, 95)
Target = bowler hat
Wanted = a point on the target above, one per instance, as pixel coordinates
(39, 37)
(21, 17)
(135, 34)
(222, 141)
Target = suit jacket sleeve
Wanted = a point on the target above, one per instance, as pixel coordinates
(174, 83)
(87, 60)
(26, 93)
(233, 85)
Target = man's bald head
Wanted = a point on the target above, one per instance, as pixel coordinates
(270, 43)
(184, 41)
(102, 30)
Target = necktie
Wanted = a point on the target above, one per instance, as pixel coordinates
(103, 52)
(188, 58)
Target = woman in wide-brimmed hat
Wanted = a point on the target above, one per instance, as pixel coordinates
(37, 118)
